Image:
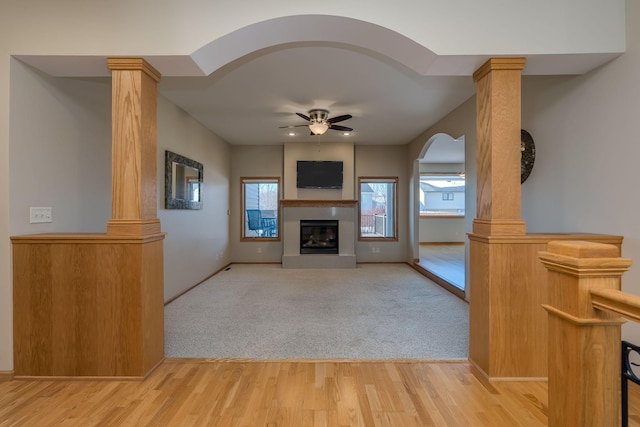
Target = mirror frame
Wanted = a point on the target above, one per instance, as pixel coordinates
(169, 202)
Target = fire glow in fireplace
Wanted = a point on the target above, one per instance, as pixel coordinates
(318, 237)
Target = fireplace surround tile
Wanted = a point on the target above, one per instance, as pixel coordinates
(342, 211)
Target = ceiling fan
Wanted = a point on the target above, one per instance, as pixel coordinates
(320, 122)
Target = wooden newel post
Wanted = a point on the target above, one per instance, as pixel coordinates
(584, 343)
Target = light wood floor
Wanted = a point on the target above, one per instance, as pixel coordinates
(183, 392)
(445, 261)
(196, 392)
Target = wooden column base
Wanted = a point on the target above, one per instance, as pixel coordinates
(133, 227)
(499, 227)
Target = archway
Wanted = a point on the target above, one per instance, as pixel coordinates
(439, 209)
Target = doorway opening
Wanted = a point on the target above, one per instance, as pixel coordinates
(441, 208)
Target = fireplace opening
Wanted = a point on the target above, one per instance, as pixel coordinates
(318, 237)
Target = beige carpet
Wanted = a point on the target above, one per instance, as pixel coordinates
(375, 311)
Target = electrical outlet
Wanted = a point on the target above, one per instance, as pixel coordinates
(259, 250)
(39, 214)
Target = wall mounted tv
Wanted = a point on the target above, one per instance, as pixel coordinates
(319, 174)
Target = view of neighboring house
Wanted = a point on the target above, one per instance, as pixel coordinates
(441, 198)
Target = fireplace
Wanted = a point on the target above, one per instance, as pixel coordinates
(336, 252)
(319, 237)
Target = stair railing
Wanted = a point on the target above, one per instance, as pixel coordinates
(585, 305)
(627, 375)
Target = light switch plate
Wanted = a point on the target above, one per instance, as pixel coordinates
(40, 214)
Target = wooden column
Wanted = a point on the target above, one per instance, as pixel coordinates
(584, 343)
(498, 152)
(134, 134)
(498, 217)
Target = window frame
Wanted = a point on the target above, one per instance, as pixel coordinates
(382, 179)
(257, 180)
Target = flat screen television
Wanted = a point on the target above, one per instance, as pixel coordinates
(319, 174)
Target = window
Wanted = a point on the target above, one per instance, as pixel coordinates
(442, 194)
(260, 208)
(378, 201)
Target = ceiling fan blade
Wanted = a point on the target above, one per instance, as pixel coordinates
(339, 118)
(294, 126)
(341, 128)
(304, 117)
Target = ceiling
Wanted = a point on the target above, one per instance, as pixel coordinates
(247, 84)
(246, 101)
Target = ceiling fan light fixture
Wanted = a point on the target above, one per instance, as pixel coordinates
(318, 128)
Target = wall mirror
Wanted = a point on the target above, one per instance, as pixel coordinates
(182, 182)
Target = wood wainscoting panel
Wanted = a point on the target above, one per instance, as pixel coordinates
(152, 298)
(93, 307)
(508, 327)
(479, 307)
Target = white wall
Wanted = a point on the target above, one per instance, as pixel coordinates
(441, 230)
(585, 175)
(197, 242)
(61, 151)
(319, 151)
(385, 161)
(253, 161)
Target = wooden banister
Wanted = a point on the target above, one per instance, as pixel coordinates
(584, 306)
(618, 302)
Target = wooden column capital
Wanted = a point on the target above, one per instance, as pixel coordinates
(492, 64)
(134, 64)
(134, 146)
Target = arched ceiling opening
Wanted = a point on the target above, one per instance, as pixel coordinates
(247, 84)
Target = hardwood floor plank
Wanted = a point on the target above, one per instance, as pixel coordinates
(445, 261)
(226, 393)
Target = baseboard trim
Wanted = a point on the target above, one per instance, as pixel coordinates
(76, 378)
(6, 376)
(486, 376)
(294, 360)
(87, 377)
(439, 281)
(441, 243)
(382, 262)
(255, 262)
(197, 284)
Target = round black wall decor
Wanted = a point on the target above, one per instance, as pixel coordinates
(527, 154)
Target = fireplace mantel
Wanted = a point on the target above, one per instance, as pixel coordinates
(315, 203)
